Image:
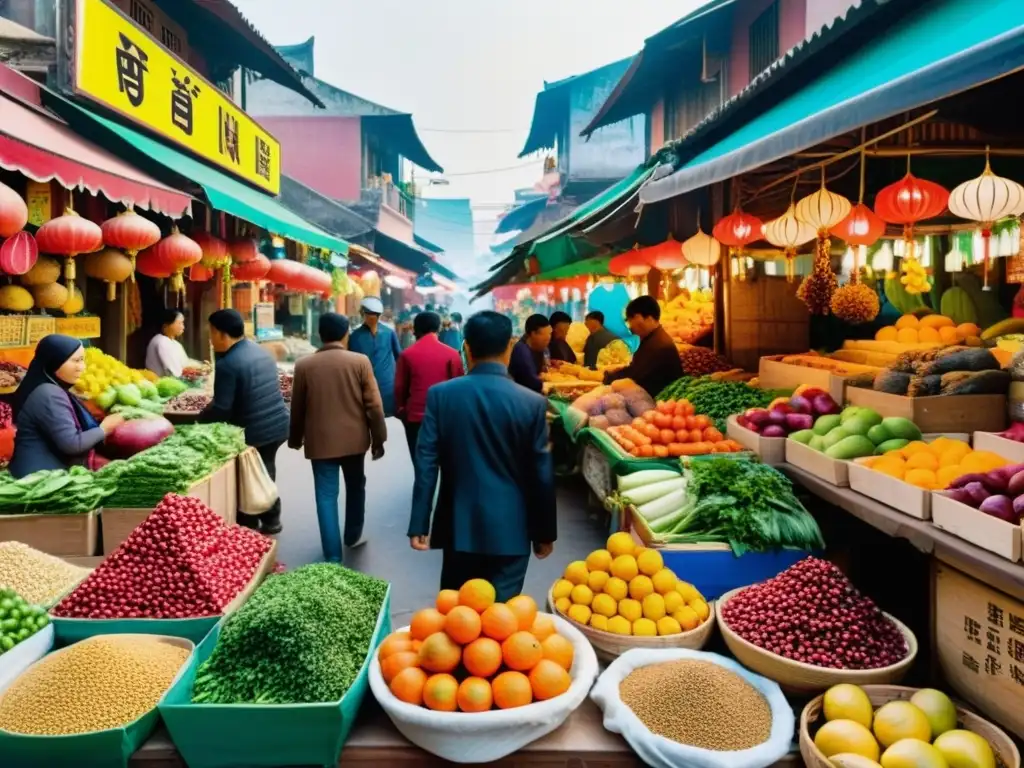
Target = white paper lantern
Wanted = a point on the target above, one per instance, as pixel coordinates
(823, 209)
(702, 249)
(789, 232)
(987, 198)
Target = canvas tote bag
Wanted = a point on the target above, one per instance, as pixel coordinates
(256, 491)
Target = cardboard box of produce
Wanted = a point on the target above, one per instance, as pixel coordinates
(773, 374)
(1001, 446)
(833, 471)
(60, 535)
(940, 413)
(985, 531)
(771, 450)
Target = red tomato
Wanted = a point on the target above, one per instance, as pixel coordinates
(696, 436)
(649, 416)
(683, 436)
(679, 422)
(663, 421)
(691, 422)
(702, 422)
(666, 407)
(667, 436)
(646, 451)
(712, 435)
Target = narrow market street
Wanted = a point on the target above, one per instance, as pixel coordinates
(414, 575)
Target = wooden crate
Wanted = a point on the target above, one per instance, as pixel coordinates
(1001, 446)
(979, 642)
(771, 450)
(939, 413)
(990, 533)
(832, 471)
(774, 374)
(60, 535)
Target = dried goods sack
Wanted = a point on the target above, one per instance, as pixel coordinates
(482, 737)
(660, 752)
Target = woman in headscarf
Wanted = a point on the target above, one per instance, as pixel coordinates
(55, 430)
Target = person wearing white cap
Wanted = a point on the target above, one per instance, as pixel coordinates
(379, 343)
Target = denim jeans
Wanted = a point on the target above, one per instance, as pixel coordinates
(326, 488)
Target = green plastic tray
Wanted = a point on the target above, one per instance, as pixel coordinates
(267, 735)
(100, 749)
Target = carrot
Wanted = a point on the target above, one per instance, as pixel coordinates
(660, 451)
(712, 435)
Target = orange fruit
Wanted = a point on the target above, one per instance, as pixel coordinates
(396, 662)
(416, 645)
(393, 643)
(475, 695)
(549, 679)
(559, 650)
(478, 594)
(521, 651)
(440, 693)
(499, 621)
(425, 623)
(482, 657)
(446, 600)
(525, 609)
(440, 653)
(462, 624)
(543, 626)
(511, 689)
(408, 684)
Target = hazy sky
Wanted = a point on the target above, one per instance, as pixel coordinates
(464, 65)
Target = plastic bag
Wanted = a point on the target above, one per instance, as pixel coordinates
(256, 491)
(659, 752)
(486, 736)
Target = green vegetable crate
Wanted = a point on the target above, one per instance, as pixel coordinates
(235, 735)
(112, 748)
(69, 631)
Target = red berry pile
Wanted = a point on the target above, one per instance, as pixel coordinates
(182, 562)
(812, 613)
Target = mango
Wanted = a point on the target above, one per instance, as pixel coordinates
(869, 416)
(836, 435)
(803, 436)
(858, 425)
(902, 428)
(896, 444)
(826, 424)
(849, 412)
(878, 434)
(817, 443)
(852, 447)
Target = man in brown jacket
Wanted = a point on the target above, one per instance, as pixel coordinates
(337, 413)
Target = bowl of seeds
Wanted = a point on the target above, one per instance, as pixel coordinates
(682, 707)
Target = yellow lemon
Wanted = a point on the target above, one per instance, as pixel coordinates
(848, 702)
(850, 760)
(620, 543)
(604, 605)
(630, 609)
(664, 581)
(700, 608)
(964, 749)
(599, 560)
(673, 602)
(597, 621)
(577, 572)
(900, 720)
(563, 604)
(616, 588)
(912, 753)
(938, 708)
(649, 562)
(581, 595)
(562, 588)
(624, 566)
(620, 625)
(668, 626)
(840, 736)
(597, 580)
(687, 618)
(687, 590)
(640, 587)
(653, 607)
(645, 628)
(579, 613)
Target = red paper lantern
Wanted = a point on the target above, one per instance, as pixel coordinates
(911, 200)
(243, 249)
(150, 264)
(197, 273)
(666, 257)
(630, 264)
(861, 227)
(171, 256)
(215, 250)
(738, 229)
(130, 232)
(69, 235)
(18, 254)
(284, 272)
(13, 212)
(251, 270)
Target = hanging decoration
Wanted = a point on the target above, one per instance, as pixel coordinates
(50, 295)
(243, 249)
(18, 254)
(702, 249)
(69, 235)
(130, 232)
(665, 257)
(216, 257)
(789, 233)
(197, 273)
(249, 271)
(171, 256)
(632, 263)
(855, 302)
(985, 200)
(736, 231)
(282, 272)
(111, 266)
(13, 212)
(821, 210)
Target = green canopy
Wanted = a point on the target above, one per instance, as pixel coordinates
(596, 265)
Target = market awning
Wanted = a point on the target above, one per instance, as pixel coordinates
(372, 258)
(222, 192)
(398, 133)
(328, 214)
(939, 49)
(522, 216)
(409, 257)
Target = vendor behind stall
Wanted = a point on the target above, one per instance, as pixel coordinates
(559, 348)
(55, 431)
(165, 356)
(599, 338)
(656, 363)
(528, 355)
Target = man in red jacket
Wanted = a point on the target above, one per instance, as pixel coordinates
(421, 366)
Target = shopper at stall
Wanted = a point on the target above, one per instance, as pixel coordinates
(165, 356)
(337, 415)
(656, 362)
(379, 343)
(54, 430)
(488, 439)
(558, 347)
(528, 360)
(451, 333)
(246, 393)
(424, 364)
(599, 338)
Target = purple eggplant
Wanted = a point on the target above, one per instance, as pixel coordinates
(978, 493)
(1000, 507)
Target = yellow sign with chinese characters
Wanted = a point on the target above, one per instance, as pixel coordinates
(120, 66)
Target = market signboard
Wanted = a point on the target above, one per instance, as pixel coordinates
(117, 64)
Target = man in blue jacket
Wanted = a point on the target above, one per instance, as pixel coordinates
(488, 438)
(379, 342)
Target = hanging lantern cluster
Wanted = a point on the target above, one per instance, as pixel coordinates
(130, 232)
(630, 264)
(855, 302)
(111, 266)
(822, 210)
(69, 235)
(252, 270)
(169, 258)
(736, 231)
(283, 272)
(789, 233)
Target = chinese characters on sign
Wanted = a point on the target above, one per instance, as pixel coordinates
(120, 66)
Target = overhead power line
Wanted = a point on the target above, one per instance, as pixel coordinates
(473, 130)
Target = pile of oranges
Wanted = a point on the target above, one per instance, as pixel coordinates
(471, 654)
(672, 429)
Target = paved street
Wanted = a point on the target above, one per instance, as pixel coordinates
(414, 575)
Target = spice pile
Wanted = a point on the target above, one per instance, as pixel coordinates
(107, 681)
(701, 361)
(182, 562)
(698, 703)
(11, 374)
(301, 638)
(39, 578)
(188, 402)
(18, 620)
(811, 613)
(6, 415)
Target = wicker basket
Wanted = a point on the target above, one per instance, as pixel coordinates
(1006, 751)
(799, 678)
(609, 646)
